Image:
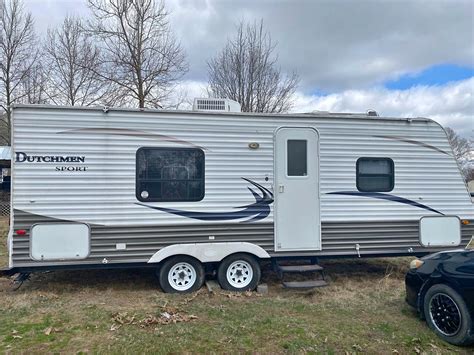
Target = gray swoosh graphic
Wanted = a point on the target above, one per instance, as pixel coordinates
(411, 141)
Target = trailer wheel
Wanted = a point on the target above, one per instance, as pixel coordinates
(181, 274)
(239, 272)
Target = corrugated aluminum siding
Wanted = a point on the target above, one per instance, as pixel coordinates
(104, 195)
(338, 239)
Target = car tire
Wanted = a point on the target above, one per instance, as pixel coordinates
(181, 274)
(239, 272)
(448, 316)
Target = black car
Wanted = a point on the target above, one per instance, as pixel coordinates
(441, 288)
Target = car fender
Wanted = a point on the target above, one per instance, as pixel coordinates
(435, 278)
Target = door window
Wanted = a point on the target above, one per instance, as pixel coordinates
(297, 164)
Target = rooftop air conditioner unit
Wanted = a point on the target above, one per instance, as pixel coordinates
(219, 105)
(373, 113)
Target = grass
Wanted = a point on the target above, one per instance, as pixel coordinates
(3, 241)
(363, 310)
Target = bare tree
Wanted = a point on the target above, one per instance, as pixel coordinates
(469, 172)
(73, 61)
(461, 146)
(462, 149)
(246, 71)
(140, 54)
(33, 87)
(17, 57)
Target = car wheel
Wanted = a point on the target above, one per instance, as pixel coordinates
(447, 314)
(239, 272)
(181, 274)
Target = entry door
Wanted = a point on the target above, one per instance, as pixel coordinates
(297, 217)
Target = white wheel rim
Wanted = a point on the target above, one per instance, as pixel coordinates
(239, 274)
(182, 276)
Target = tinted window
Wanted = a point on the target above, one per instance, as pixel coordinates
(297, 158)
(170, 174)
(375, 174)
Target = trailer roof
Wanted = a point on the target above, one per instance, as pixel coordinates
(316, 114)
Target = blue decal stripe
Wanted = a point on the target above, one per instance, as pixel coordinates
(255, 211)
(388, 197)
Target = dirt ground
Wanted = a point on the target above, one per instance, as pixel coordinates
(362, 310)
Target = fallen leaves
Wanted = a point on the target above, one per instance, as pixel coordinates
(15, 334)
(169, 316)
(357, 347)
(114, 327)
(123, 318)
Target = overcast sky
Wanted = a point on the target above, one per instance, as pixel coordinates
(401, 58)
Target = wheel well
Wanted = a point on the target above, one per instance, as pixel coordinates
(213, 266)
(176, 255)
(257, 259)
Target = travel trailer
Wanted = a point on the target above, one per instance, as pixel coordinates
(215, 188)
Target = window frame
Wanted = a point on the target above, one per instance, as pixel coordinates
(137, 179)
(391, 175)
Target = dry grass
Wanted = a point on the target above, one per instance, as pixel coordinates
(3, 241)
(363, 310)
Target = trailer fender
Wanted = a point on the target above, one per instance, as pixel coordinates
(209, 252)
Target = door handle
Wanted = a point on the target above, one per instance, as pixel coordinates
(281, 188)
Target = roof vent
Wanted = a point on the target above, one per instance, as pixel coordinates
(219, 105)
(372, 113)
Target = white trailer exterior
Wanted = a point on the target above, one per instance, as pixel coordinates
(272, 186)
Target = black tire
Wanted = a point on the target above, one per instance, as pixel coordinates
(244, 272)
(448, 316)
(192, 277)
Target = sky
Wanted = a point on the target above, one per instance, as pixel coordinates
(402, 58)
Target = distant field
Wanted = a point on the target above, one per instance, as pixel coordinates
(363, 310)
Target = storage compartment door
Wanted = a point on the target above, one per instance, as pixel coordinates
(440, 231)
(67, 241)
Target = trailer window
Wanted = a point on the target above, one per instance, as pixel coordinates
(170, 174)
(375, 174)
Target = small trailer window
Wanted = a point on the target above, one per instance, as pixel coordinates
(375, 174)
(170, 174)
